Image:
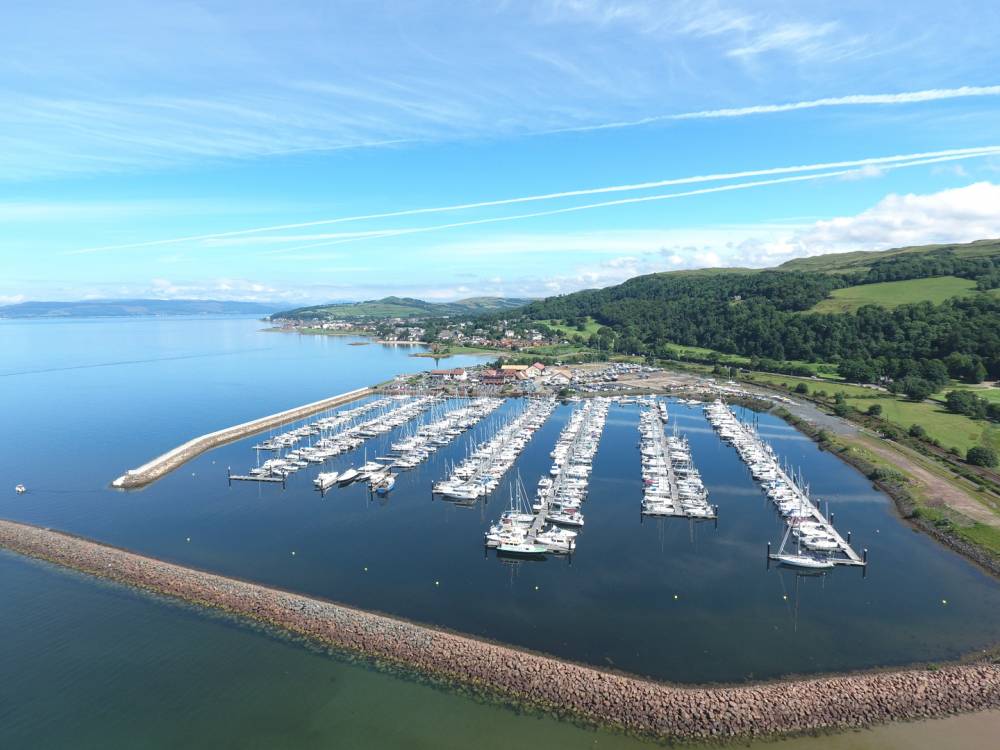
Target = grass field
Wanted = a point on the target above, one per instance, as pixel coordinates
(953, 430)
(830, 387)
(591, 327)
(894, 293)
(989, 393)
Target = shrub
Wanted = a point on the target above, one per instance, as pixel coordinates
(981, 456)
(918, 431)
(874, 410)
(802, 388)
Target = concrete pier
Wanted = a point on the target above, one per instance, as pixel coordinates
(655, 709)
(167, 462)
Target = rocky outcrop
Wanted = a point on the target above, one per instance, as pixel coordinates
(649, 708)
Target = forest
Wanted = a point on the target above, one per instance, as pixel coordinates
(763, 315)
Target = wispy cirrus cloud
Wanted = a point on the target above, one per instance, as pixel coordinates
(851, 167)
(161, 84)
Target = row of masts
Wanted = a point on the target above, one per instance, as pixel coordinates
(560, 496)
(484, 467)
(810, 539)
(672, 486)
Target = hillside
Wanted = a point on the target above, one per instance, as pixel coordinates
(862, 260)
(401, 307)
(850, 308)
(127, 308)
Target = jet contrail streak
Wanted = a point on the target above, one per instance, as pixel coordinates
(906, 97)
(872, 161)
(622, 202)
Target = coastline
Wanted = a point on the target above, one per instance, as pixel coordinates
(633, 704)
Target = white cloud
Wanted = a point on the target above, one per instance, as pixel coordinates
(950, 216)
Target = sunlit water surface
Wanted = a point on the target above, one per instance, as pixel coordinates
(84, 400)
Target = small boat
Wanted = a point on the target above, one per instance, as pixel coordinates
(803, 561)
(326, 479)
(20, 489)
(800, 559)
(348, 476)
(528, 549)
(384, 487)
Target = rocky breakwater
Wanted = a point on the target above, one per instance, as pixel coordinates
(167, 462)
(636, 705)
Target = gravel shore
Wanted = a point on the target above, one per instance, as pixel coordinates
(663, 711)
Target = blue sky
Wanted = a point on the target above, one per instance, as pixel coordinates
(137, 137)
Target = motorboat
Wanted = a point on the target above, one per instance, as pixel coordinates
(348, 476)
(326, 479)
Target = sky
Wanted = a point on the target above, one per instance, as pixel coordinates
(316, 151)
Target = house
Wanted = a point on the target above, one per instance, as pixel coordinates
(495, 377)
(456, 374)
(556, 376)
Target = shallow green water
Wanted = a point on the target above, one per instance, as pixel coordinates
(95, 665)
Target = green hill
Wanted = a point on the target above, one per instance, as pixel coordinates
(818, 311)
(400, 307)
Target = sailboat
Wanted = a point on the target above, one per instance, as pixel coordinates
(799, 559)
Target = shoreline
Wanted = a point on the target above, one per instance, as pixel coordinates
(629, 703)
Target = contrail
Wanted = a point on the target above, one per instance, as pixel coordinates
(872, 161)
(623, 201)
(907, 97)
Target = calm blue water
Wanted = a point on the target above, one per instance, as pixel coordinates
(668, 598)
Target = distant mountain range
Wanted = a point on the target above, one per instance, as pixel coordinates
(130, 308)
(401, 307)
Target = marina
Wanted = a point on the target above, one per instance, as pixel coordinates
(807, 526)
(338, 433)
(481, 472)
(421, 559)
(672, 486)
(559, 498)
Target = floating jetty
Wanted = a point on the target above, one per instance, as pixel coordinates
(806, 523)
(560, 495)
(481, 472)
(167, 462)
(336, 434)
(672, 485)
(640, 706)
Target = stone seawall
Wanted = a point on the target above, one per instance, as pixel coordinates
(167, 462)
(659, 710)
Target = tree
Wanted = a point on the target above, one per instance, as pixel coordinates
(874, 410)
(981, 456)
(967, 403)
(856, 371)
(802, 388)
(918, 431)
(916, 389)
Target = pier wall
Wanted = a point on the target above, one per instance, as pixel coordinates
(644, 707)
(167, 462)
